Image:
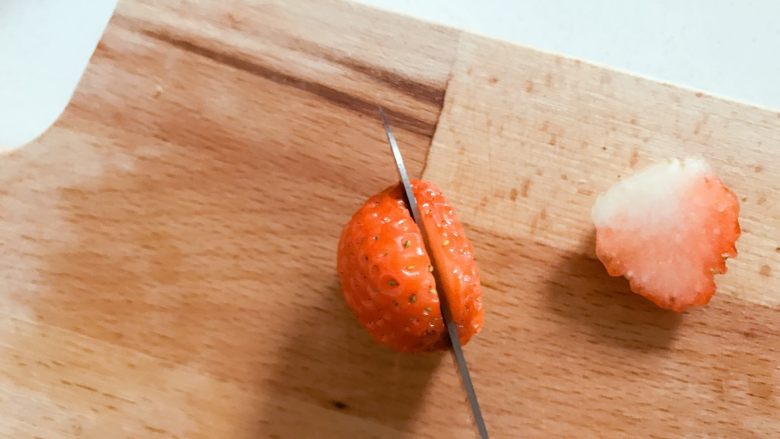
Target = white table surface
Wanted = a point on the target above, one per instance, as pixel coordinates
(726, 48)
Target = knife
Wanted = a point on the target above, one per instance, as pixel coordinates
(452, 327)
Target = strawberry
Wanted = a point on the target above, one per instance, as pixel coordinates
(386, 273)
(668, 230)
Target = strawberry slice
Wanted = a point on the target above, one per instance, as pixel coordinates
(386, 274)
(668, 230)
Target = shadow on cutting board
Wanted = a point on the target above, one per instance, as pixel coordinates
(604, 307)
(338, 382)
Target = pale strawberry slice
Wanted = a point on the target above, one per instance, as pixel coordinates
(668, 230)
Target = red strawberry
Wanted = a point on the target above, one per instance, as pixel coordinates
(668, 230)
(386, 275)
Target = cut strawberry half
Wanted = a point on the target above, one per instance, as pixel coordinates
(387, 277)
(668, 230)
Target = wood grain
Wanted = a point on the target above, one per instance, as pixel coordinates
(525, 143)
(167, 248)
(176, 228)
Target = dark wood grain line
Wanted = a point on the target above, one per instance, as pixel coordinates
(338, 97)
(425, 93)
(419, 91)
(345, 100)
(422, 92)
(414, 89)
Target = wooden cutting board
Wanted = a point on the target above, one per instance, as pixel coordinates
(167, 249)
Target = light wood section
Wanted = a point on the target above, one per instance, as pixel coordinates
(525, 143)
(167, 249)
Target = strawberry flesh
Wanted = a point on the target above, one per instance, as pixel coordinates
(668, 230)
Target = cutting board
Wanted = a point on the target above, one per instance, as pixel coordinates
(167, 248)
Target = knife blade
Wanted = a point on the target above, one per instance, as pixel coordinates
(452, 327)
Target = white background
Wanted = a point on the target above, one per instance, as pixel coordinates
(725, 48)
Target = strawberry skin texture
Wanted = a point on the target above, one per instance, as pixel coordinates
(385, 271)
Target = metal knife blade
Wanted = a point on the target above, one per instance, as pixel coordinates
(452, 327)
